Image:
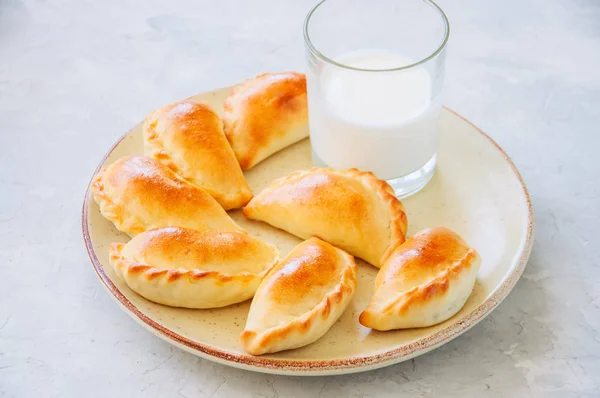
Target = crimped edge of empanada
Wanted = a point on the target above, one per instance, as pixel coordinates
(423, 293)
(155, 148)
(245, 160)
(398, 219)
(257, 342)
(126, 268)
(111, 210)
(155, 145)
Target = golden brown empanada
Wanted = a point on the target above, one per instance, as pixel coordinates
(193, 269)
(266, 114)
(423, 282)
(300, 299)
(350, 209)
(138, 193)
(188, 137)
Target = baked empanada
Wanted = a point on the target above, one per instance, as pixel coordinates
(138, 193)
(300, 299)
(266, 114)
(350, 209)
(188, 137)
(423, 282)
(193, 269)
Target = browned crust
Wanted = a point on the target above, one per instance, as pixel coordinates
(439, 285)
(229, 201)
(304, 322)
(109, 209)
(418, 295)
(152, 137)
(165, 186)
(150, 272)
(283, 95)
(398, 220)
(320, 367)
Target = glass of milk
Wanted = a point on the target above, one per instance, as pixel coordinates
(375, 74)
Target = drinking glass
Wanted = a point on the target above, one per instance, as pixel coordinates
(375, 76)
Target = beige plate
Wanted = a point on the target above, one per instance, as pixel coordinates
(477, 191)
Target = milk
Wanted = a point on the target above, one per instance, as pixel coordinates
(384, 122)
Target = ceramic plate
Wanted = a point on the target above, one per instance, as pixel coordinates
(476, 191)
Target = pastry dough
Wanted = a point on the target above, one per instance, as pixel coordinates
(300, 299)
(193, 269)
(425, 281)
(350, 209)
(266, 114)
(138, 193)
(188, 137)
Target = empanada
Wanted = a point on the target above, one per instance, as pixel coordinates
(266, 114)
(350, 209)
(300, 299)
(193, 269)
(423, 282)
(188, 137)
(138, 193)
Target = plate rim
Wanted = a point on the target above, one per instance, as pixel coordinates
(319, 367)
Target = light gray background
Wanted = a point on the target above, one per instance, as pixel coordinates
(75, 75)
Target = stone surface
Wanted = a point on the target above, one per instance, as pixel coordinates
(75, 75)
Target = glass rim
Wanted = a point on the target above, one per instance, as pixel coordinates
(319, 54)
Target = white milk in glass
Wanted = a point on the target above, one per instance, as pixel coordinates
(384, 122)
